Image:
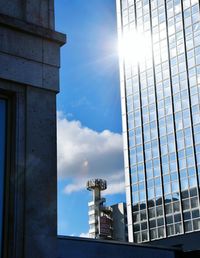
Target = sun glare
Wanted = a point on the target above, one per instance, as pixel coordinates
(134, 47)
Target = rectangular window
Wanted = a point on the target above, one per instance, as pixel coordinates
(2, 164)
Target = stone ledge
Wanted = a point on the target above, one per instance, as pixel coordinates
(25, 45)
(29, 72)
(33, 29)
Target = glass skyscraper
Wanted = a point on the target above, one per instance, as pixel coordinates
(160, 90)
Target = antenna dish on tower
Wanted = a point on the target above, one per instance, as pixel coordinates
(96, 183)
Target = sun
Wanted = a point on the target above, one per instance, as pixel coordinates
(134, 47)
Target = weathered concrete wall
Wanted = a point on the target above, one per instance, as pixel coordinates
(41, 177)
(28, 54)
(32, 191)
(39, 12)
(29, 79)
(85, 248)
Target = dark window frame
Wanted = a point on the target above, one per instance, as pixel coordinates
(4, 155)
(8, 220)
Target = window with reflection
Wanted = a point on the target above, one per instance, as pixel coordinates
(2, 165)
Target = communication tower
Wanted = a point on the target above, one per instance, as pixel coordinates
(100, 221)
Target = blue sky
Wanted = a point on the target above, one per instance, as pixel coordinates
(89, 114)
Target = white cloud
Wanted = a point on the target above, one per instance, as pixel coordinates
(84, 235)
(85, 154)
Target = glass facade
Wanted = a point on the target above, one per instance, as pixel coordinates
(160, 91)
(2, 163)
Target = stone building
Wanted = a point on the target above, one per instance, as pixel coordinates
(29, 82)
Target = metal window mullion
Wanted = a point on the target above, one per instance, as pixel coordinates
(190, 109)
(154, 78)
(124, 75)
(173, 114)
(142, 127)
